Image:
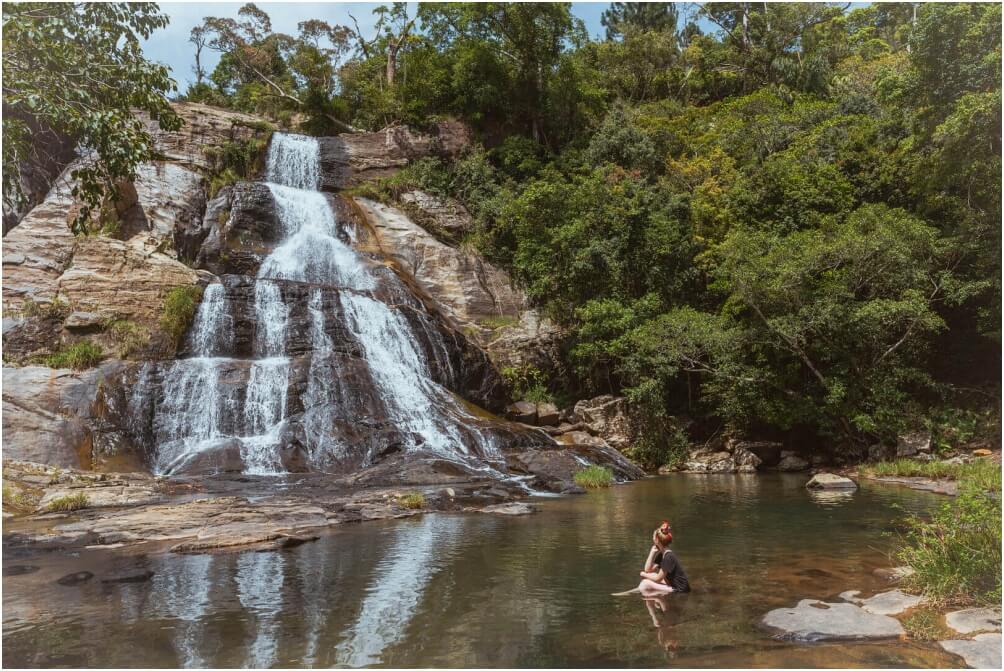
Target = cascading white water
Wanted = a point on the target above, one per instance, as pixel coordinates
(203, 408)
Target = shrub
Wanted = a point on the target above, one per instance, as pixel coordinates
(17, 498)
(54, 308)
(658, 446)
(526, 381)
(594, 477)
(130, 336)
(77, 356)
(957, 553)
(68, 503)
(179, 308)
(413, 501)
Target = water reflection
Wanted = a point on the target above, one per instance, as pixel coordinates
(182, 594)
(831, 497)
(259, 581)
(394, 593)
(480, 590)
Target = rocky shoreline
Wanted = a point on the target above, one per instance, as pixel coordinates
(975, 633)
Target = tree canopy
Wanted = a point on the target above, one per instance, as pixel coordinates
(77, 69)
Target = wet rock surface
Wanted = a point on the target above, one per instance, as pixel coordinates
(812, 620)
(982, 652)
(885, 603)
(973, 620)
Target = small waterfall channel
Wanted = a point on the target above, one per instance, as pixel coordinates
(216, 405)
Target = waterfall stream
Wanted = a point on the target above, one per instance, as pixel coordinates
(204, 408)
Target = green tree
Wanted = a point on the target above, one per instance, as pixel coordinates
(78, 69)
(623, 17)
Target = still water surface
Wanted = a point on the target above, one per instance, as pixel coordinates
(451, 590)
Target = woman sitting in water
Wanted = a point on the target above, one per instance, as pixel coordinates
(663, 572)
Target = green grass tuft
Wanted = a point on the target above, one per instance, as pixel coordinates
(68, 503)
(594, 477)
(981, 473)
(499, 322)
(179, 308)
(77, 356)
(927, 624)
(413, 501)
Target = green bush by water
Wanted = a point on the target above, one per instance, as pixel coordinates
(179, 308)
(594, 477)
(957, 553)
(77, 356)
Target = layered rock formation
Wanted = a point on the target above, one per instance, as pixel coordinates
(62, 289)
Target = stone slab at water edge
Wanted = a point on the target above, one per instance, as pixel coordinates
(972, 620)
(813, 620)
(982, 652)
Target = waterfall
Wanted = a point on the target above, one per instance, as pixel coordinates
(204, 406)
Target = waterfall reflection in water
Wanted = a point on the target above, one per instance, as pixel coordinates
(397, 588)
(259, 581)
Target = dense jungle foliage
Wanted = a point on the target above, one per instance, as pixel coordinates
(782, 219)
(787, 222)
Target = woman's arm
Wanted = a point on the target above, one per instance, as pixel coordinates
(654, 576)
(650, 560)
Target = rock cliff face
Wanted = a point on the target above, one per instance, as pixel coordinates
(61, 289)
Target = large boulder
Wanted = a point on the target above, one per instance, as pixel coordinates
(50, 416)
(353, 158)
(608, 418)
(909, 444)
(768, 452)
(555, 469)
(830, 481)
(704, 461)
(792, 461)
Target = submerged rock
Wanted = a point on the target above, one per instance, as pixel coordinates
(514, 508)
(886, 603)
(830, 481)
(982, 652)
(74, 579)
(813, 620)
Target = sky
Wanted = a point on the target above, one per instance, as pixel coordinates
(170, 45)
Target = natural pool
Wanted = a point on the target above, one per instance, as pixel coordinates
(451, 590)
